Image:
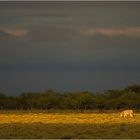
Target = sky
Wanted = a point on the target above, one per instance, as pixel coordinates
(69, 46)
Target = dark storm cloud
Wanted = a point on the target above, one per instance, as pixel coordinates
(53, 33)
(73, 44)
(92, 67)
(63, 50)
(65, 81)
(84, 13)
(4, 36)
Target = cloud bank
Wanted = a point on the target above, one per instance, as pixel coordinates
(126, 31)
(15, 32)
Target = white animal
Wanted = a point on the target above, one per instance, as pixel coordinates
(127, 113)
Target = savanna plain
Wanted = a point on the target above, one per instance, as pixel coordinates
(68, 125)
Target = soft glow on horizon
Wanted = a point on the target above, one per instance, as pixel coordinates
(15, 32)
(126, 31)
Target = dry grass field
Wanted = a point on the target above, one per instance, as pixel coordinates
(68, 125)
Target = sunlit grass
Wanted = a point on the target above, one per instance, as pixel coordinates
(72, 118)
(68, 125)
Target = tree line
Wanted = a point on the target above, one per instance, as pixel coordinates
(126, 98)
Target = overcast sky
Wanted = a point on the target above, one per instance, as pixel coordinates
(69, 46)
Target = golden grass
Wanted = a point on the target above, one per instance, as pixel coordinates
(68, 125)
(67, 118)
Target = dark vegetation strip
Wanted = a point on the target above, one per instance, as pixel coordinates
(51, 100)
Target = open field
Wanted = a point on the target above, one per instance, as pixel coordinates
(68, 125)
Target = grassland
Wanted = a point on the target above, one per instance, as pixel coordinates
(67, 125)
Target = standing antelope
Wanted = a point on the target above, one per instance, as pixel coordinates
(126, 113)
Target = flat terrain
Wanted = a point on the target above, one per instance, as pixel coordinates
(68, 125)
